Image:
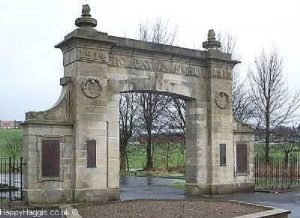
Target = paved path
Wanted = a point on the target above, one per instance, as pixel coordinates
(288, 200)
(149, 188)
(159, 188)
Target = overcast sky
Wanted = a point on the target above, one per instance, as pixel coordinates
(31, 66)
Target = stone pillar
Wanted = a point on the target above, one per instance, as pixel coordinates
(197, 173)
(219, 123)
(95, 111)
(209, 127)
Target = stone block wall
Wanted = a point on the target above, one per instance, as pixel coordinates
(38, 189)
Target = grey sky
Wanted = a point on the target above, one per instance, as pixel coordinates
(31, 67)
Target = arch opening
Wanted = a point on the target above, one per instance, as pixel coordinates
(152, 141)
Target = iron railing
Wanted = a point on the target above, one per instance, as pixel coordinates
(278, 173)
(11, 178)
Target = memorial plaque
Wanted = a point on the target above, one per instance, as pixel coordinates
(91, 153)
(50, 158)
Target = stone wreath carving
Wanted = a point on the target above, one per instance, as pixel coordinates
(222, 100)
(91, 88)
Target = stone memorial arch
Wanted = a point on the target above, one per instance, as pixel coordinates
(72, 150)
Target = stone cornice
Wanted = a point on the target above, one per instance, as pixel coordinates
(100, 39)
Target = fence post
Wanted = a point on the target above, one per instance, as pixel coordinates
(21, 177)
(1, 173)
(297, 175)
(9, 177)
(255, 171)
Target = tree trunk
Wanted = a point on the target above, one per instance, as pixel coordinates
(127, 162)
(286, 159)
(123, 157)
(149, 164)
(267, 148)
(167, 156)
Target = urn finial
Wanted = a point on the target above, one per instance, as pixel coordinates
(211, 42)
(86, 19)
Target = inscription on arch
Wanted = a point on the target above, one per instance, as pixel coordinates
(221, 72)
(189, 70)
(118, 60)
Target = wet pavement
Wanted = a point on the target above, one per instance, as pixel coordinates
(288, 200)
(160, 188)
(149, 188)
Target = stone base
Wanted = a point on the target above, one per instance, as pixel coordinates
(59, 196)
(219, 189)
(96, 195)
(53, 196)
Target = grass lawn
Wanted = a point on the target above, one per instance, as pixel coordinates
(276, 150)
(178, 185)
(4, 133)
(176, 166)
(137, 157)
(4, 201)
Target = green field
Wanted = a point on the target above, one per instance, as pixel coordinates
(177, 156)
(176, 160)
(137, 155)
(4, 135)
(276, 150)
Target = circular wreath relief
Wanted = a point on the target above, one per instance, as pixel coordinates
(222, 100)
(91, 88)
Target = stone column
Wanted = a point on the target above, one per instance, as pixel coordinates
(197, 173)
(95, 110)
(209, 126)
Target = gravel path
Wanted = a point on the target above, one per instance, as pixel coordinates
(167, 209)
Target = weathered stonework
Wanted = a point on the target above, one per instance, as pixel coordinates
(97, 67)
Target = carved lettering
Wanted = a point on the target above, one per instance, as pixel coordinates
(87, 53)
(92, 55)
(118, 61)
(144, 64)
(189, 70)
(104, 58)
(221, 72)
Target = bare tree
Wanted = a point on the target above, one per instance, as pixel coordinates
(242, 106)
(150, 103)
(288, 137)
(158, 32)
(168, 144)
(127, 116)
(172, 119)
(144, 31)
(273, 104)
(241, 103)
(173, 125)
(179, 120)
(152, 106)
(228, 43)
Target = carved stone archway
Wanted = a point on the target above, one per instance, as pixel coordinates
(72, 150)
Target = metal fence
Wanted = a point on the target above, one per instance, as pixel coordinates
(279, 173)
(11, 178)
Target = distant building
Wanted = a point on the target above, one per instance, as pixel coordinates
(163, 138)
(10, 124)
